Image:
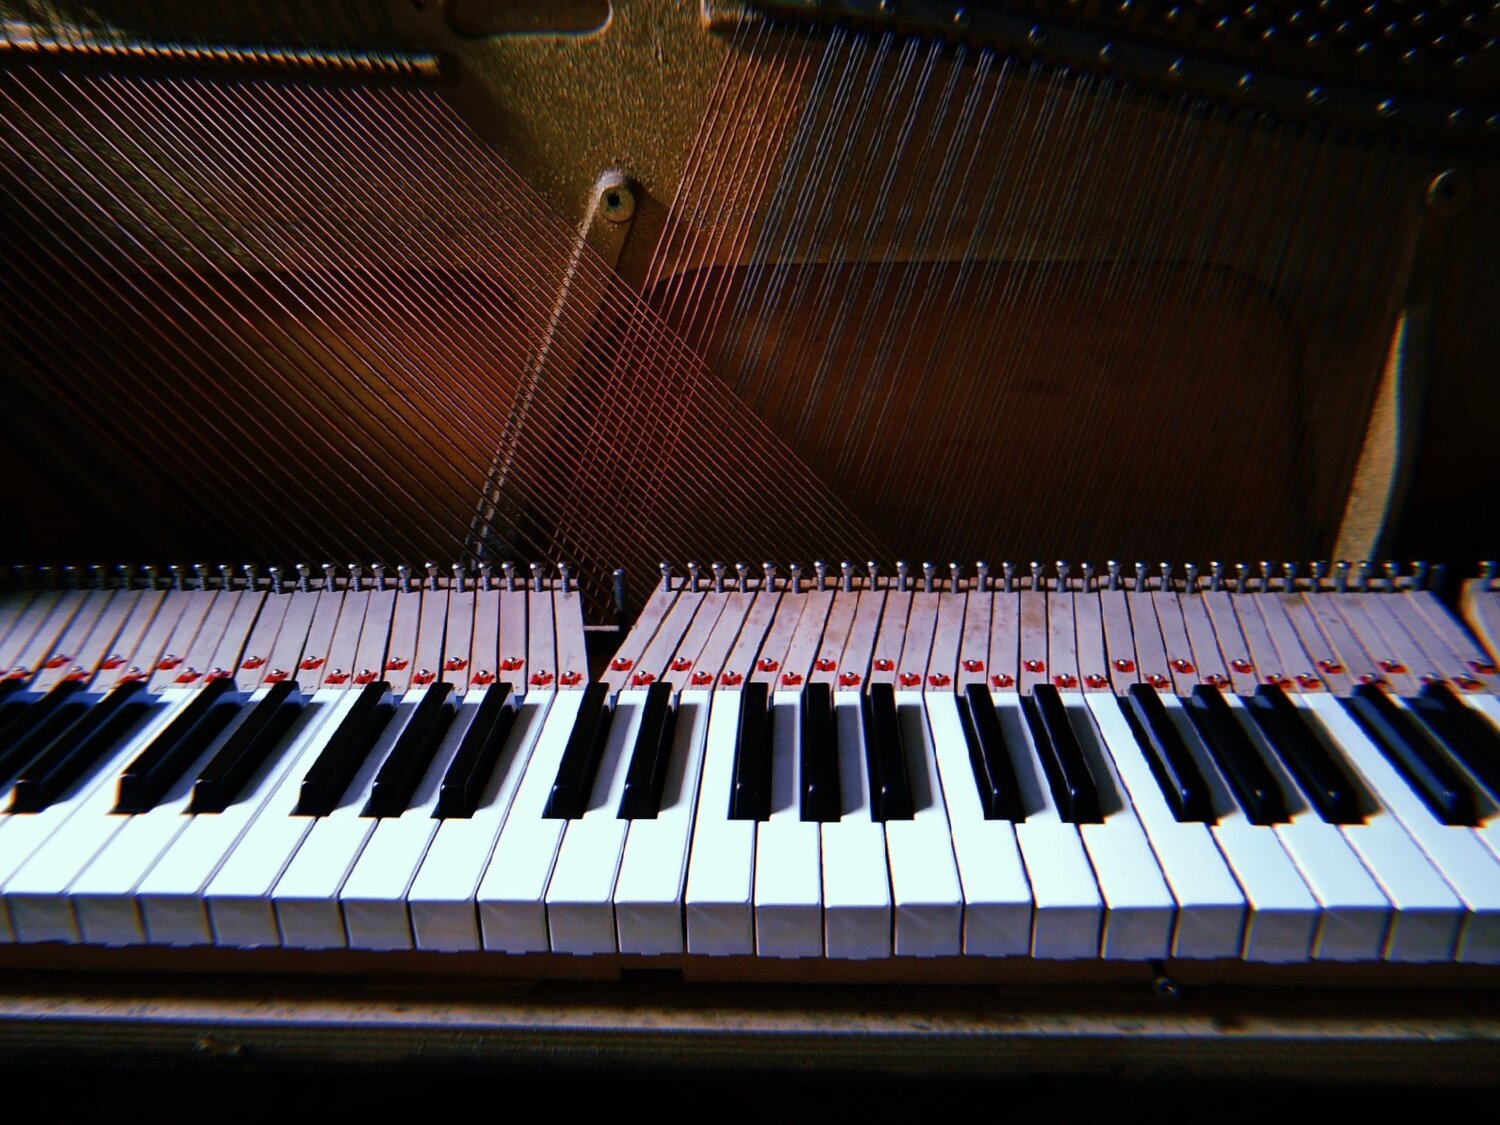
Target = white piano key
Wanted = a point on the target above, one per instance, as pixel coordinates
(1069, 911)
(1467, 866)
(788, 867)
(512, 894)
(649, 895)
(1426, 914)
(721, 863)
(1283, 915)
(238, 897)
(856, 880)
(172, 896)
(997, 896)
(305, 898)
(1210, 905)
(929, 903)
(42, 852)
(103, 893)
(373, 899)
(1355, 914)
(580, 894)
(1139, 910)
(443, 911)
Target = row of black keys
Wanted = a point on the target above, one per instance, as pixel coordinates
(48, 744)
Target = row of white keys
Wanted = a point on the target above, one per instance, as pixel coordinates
(719, 895)
(580, 894)
(788, 849)
(35, 637)
(856, 879)
(650, 891)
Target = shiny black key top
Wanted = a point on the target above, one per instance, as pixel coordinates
(418, 742)
(78, 749)
(1171, 763)
(820, 756)
(994, 771)
(1230, 747)
(750, 799)
(157, 767)
(346, 751)
(580, 759)
(1067, 771)
(219, 784)
(885, 756)
(1325, 781)
(647, 773)
(1417, 757)
(463, 784)
(1463, 731)
(19, 721)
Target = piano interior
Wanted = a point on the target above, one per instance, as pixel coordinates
(763, 304)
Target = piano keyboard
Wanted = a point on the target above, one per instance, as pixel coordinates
(1052, 766)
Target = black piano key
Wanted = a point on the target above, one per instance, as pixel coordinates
(1068, 776)
(580, 759)
(219, 784)
(750, 799)
(418, 742)
(19, 720)
(9, 688)
(646, 775)
(346, 751)
(157, 767)
(1245, 771)
(1322, 777)
(821, 800)
(1463, 731)
(885, 756)
(470, 770)
(1417, 757)
(994, 771)
(79, 748)
(1168, 756)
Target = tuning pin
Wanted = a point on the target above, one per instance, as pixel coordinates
(1038, 578)
(458, 577)
(510, 575)
(718, 569)
(1166, 576)
(1242, 578)
(176, 575)
(328, 576)
(1267, 569)
(563, 575)
(1419, 575)
(1007, 575)
(122, 575)
(982, 576)
(1113, 567)
(1088, 577)
(432, 578)
(1063, 570)
(927, 571)
(900, 576)
(152, 576)
(96, 574)
(304, 582)
(741, 577)
(666, 575)
(1341, 576)
(1215, 577)
(536, 577)
(768, 575)
(201, 570)
(403, 577)
(1392, 573)
(1190, 578)
(1290, 571)
(617, 577)
(1362, 576)
(1487, 570)
(486, 579)
(846, 576)
(796, 580)
(953, 576)
(226, 574)
(1319, 572)
(356, 573)
(821, 568)
(275, 573)
(1140, 578)
(693, 570)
